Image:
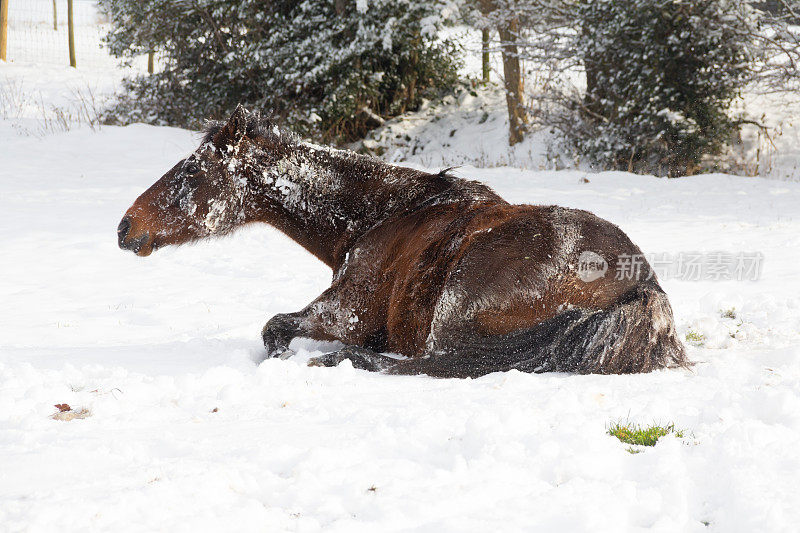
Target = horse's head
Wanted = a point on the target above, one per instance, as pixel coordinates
(205, 194)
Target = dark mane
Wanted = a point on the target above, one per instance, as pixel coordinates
(258, 127)
(264, 128)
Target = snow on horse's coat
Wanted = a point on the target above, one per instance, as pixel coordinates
(434, 267)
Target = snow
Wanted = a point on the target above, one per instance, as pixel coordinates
(152, 347)
(464, 129)
(187, 433)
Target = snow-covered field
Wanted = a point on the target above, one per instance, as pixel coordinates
(187, 433)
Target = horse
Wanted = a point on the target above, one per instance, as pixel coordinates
(429, 266)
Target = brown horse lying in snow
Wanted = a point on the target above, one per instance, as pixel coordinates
(433, 267)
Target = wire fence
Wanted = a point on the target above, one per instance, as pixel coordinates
(38, 33)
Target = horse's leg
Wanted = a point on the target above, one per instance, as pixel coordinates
(460, 353)
(437, 365)
(331, 317)
(361, 358)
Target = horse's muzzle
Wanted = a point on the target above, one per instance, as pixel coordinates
(134, 245)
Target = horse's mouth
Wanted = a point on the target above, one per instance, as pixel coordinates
(145, 250)
(141, 245)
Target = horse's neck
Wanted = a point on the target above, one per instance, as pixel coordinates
(327, 198)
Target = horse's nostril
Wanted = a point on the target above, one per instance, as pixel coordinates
(122, 231)
(123, 228)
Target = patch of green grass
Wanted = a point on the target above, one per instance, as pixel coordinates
(637, 435)
(694, 337)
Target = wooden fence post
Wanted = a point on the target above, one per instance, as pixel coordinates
(151, 59)
(3, 29)
(485, 54)
(71, 30)
(55, 16)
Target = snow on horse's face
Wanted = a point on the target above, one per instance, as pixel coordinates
(205, 194)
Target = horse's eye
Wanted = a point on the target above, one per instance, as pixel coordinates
(191, 168)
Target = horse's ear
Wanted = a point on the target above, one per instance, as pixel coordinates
(236, 127)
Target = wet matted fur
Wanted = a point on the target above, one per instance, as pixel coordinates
(436, 268)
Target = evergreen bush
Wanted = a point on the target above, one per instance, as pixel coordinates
(331, 69)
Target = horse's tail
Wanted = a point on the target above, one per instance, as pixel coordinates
(637, 334)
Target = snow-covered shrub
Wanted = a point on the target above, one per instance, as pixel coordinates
(660, 78)
(329, 68)
(778, 44)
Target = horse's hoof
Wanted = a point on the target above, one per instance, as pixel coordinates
(278, 353)
(286, 354)
(277, 333)
(360, 358)
(325, 360)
